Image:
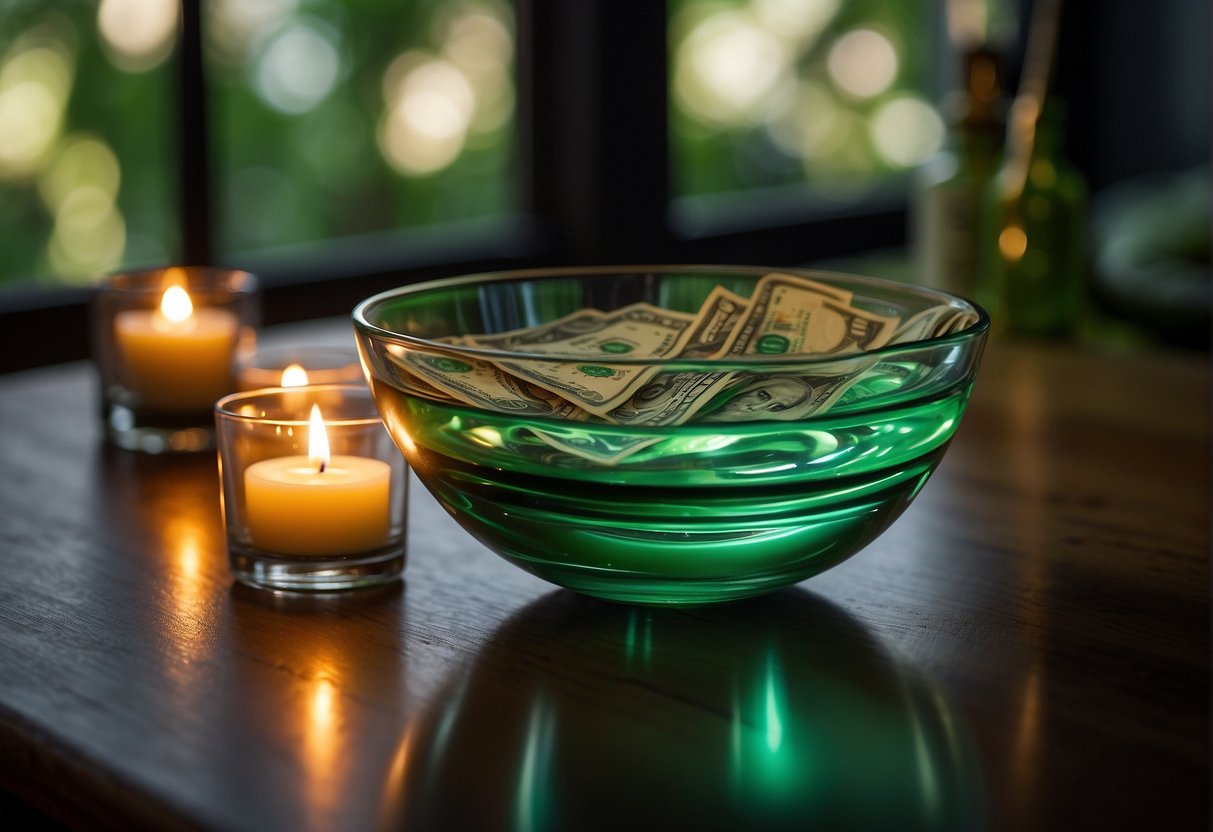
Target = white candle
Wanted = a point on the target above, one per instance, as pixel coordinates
(318, 505)
(176, 357)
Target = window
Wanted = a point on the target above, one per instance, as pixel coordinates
(87, 158)
(339, 147)
(835, 97)
(333, 120)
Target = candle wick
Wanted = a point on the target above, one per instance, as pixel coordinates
(323, 465)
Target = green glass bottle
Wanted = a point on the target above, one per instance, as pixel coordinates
(951, 187)
(1034, 231)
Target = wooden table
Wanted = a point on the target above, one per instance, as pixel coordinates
(1026, 648)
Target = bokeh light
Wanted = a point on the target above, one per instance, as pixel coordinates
(479, 43)
(89, 235)
(235, 27)
(84, 160)
(821, 93)
(35, 83)
(298, 67)
(800, 21)
(863, 62)
(836, 143)
(137, 34)
(906, 131)
(728, 66)
(429, 108)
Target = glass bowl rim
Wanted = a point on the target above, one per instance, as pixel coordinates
(364, 326)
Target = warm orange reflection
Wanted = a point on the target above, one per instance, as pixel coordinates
(1027, 736)
(321, 676)
(323, 720)
(184, 539)
(1029, 468)
(392, 806)
(169, 510)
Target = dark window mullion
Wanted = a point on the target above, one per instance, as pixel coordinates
(193, 147)
(593, 109)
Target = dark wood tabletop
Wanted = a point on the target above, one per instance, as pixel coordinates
(1026, 648)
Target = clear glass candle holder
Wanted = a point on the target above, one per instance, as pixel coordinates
(166, 344)
(314, 491)
(298, 365)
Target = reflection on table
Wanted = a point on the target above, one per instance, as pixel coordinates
(768, 714)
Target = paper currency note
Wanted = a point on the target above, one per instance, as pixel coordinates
(670, 398)
(753, 397)
(639, 330)
(483, 384)
(929, 323)
(673, 398)
(533, 338)
(789, 316)
(596, 384)
(823, 289)
(960, 321)
(714, 322)
(405, 377)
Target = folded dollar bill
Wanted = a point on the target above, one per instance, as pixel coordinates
(785, 315)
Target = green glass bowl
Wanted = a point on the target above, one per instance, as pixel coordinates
(687, 480)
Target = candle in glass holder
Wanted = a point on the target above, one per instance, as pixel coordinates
(314, 491)
(176, 357)
(318, 504)
(167, 344)
(312, 364)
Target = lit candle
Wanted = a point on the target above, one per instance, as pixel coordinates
(177, 357)
(300, 365)
(317, 504)
(294, 376)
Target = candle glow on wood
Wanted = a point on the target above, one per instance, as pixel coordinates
(176, 357)
(319, 504)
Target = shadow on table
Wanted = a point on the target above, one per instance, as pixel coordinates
(782, 712)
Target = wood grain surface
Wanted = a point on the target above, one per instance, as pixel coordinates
(1026, 648)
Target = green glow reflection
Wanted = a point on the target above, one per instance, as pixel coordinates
(772, 763)
(533, 810)
(638, 639)
(776, 700)
(780, 713)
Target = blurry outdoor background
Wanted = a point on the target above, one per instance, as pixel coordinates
(330, 120)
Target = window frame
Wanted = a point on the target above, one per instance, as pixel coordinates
(584, 198)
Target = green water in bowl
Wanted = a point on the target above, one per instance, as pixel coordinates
(693, 514)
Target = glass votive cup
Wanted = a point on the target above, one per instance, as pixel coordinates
(314, 490)
(281, 367)
(166, 346)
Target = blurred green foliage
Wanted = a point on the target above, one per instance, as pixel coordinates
(815, 92)
(128, 112)
(299, 93)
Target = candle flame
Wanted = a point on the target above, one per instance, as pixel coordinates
(317, 441)
(176, 305)
(294, 376)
